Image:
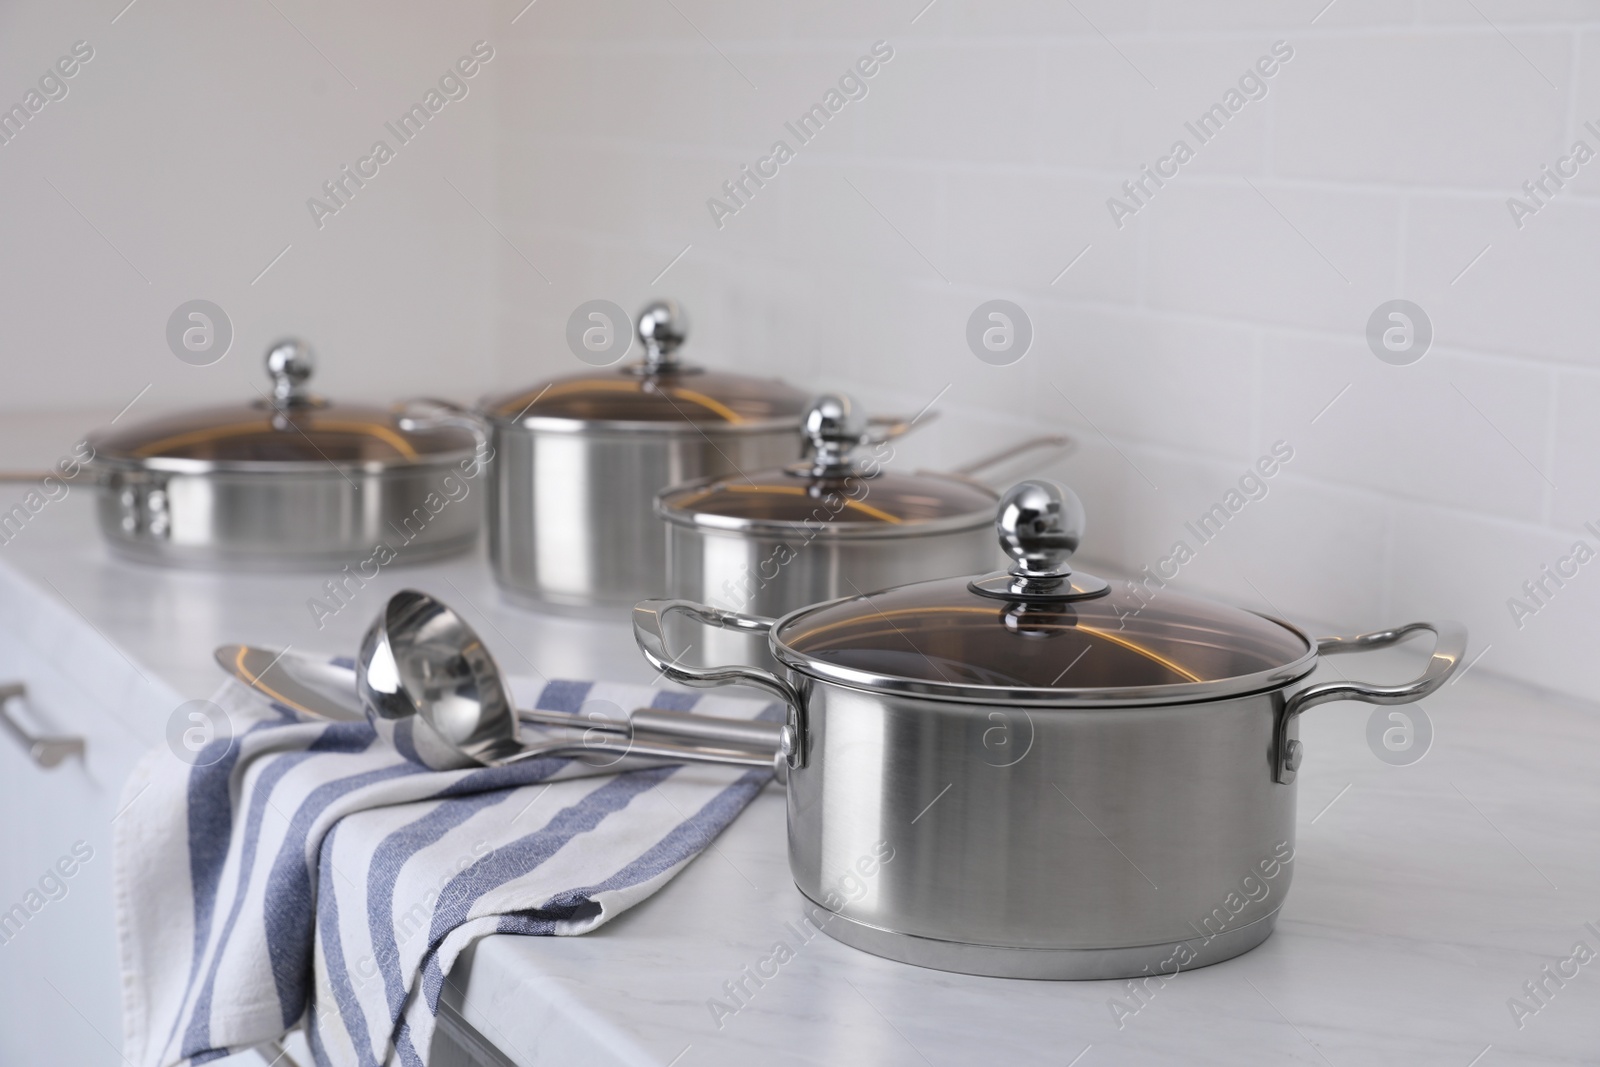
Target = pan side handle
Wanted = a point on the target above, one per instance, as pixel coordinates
(430, 413)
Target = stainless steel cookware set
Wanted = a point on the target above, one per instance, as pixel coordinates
(1052, 777)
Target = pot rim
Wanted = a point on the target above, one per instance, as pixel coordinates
(1274, 678)
(111, 463)
(638, 428)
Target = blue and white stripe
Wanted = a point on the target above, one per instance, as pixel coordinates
(315, 876)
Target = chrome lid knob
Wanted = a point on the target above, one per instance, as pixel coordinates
(1040, 524)
(291, 363)
(835, 417)
(834, 425)
(662, 327)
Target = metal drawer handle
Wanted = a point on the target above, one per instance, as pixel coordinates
(46, 752)
(648, 616)
(1450, 645)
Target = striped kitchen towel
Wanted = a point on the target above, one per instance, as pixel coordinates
(305, 873)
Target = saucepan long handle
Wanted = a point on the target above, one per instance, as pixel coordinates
(881, 428)
(1450, 645)
(1051, 448)
(648, 619)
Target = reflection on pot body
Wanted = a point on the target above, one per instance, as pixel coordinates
(1256, 886)
(570, 519)
(820, 570)
(1062, 848)
(311, 519)
(579, 460)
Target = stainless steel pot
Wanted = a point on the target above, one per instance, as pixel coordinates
(839, 524)
(292, 481)
(579, 460)
(1033, 775)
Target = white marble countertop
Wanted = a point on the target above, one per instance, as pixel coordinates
(1424, 898)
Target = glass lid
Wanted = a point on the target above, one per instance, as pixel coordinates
(291, 427)
(661, 393)
(837, 492)
(1041, 633)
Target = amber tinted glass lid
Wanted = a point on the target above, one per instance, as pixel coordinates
(337, 433)
(843, 489)
(943, 634)
(1043, 633)
(658, 393)
(784, 498)
(286, 426)
(684, 398)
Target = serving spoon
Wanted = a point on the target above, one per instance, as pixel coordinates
(303, 683)
(421, 665)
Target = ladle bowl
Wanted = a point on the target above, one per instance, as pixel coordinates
(433, 690)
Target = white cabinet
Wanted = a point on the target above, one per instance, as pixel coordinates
(58, 948)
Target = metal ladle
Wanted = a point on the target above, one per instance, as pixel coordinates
(313, 686)
(421, 666)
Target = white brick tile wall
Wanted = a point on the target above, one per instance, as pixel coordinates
(1208, 15)
(1452, 429)
(1011, 18)
(1575, 450)
(1320, 257)
(1532, 295)
(1224, 315)
(1452, 108)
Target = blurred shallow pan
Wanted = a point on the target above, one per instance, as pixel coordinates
(292, 481)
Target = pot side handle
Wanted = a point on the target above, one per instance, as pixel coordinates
(648, 617)
(1450, 645)
(428, 413)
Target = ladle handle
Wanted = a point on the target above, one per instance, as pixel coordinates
(751, 734)
(755, 734)
(670, 753)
